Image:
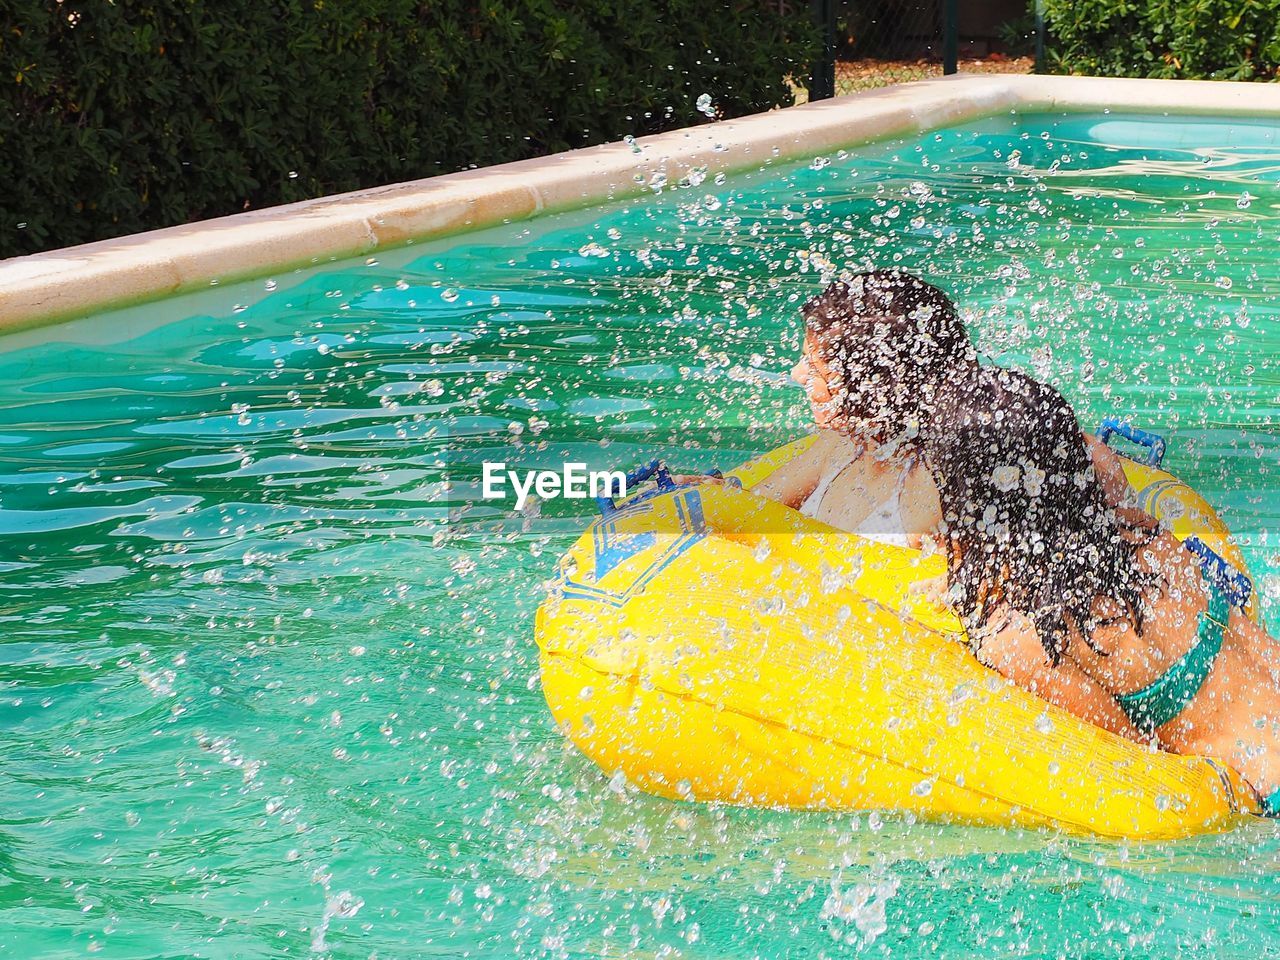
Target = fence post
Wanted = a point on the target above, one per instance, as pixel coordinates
(950, 36)
(822, 78)
(1039, 68)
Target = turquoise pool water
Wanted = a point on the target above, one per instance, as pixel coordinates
(262, 694)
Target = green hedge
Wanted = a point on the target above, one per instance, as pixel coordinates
(128, 115)
(1175, 39)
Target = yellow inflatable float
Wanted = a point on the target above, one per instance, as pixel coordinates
(713, 645)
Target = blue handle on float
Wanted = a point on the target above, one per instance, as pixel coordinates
(1235, 586)
(654, 469)
(657, 470)
(1152, 441)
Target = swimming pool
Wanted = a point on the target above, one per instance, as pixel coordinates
(263, 694)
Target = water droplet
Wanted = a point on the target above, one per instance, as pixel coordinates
(344, 905)
(1044, 724)
(704, 105)
(1223, 283)
(449, 294)
(1245, 200)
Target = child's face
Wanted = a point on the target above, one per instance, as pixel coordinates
(819, 381)
(830, 399)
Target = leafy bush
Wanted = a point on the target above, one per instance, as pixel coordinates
(1176, 39)
(125, 116)
(1017, 36)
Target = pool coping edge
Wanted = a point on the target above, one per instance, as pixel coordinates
(57, 285)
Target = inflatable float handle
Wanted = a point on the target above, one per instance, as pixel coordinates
(1152, 441)
(1234, 584)
(654, 469)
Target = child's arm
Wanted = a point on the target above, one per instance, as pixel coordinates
(1110, 472)
(792, 483)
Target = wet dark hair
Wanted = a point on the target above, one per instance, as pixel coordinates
(889, 336)
(1025, 519)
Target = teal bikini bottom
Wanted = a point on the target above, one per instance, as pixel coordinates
(1159, 702)
(1271, 804)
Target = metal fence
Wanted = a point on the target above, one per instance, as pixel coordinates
(873, 43)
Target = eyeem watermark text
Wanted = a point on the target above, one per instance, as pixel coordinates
(573, 482)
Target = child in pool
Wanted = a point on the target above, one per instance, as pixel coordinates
(1061, 587)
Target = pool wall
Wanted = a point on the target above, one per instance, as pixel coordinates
(71, 282)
